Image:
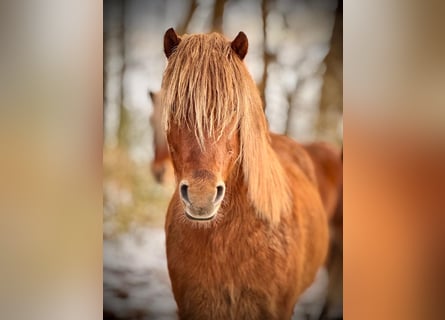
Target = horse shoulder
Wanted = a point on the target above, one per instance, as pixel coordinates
(291, 151)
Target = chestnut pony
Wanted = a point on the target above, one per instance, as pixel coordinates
(161, 166)
(325, 158)
(246, 230)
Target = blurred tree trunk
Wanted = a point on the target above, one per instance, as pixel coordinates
(185, 24)
(113, 73)
(105, 76)
(267, 56)
(290, 111)
(123, 112)
(292, 107)
(218, 16)
(331, 101)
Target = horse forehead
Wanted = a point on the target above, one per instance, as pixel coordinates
(208, 38)
(195, 46)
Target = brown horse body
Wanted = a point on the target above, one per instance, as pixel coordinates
(244, 267)
(246, 230)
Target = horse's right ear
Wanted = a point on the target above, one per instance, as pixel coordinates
(240, 45)
(171, 41)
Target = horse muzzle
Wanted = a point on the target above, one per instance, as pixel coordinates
(201, 203)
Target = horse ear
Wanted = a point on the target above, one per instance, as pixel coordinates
(240, 45)
(171, 41)
(151, 94)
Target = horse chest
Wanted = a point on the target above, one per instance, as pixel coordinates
(232, 272)
(227, 255)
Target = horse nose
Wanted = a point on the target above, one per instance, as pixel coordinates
(220, 190)
(183, 191)
(185, 196)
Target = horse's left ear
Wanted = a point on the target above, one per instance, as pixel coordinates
(240, 45)
(171, 41)
(151, 94)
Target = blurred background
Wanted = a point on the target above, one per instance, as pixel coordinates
(296, 58)
(51, 150)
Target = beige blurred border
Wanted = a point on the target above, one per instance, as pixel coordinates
(394, 156)
(51, 159)
(51, 140)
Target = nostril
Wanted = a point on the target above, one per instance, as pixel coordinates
(184, 192)
(219, 193)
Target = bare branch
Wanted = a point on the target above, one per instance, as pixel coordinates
(185, 24)
(331, 100)
(267, 56)
(218, 15)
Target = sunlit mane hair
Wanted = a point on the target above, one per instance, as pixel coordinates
(207, 88)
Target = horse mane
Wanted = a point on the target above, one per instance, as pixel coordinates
(207, 87)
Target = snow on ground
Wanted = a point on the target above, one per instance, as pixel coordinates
(137, 286)
(136, 282)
